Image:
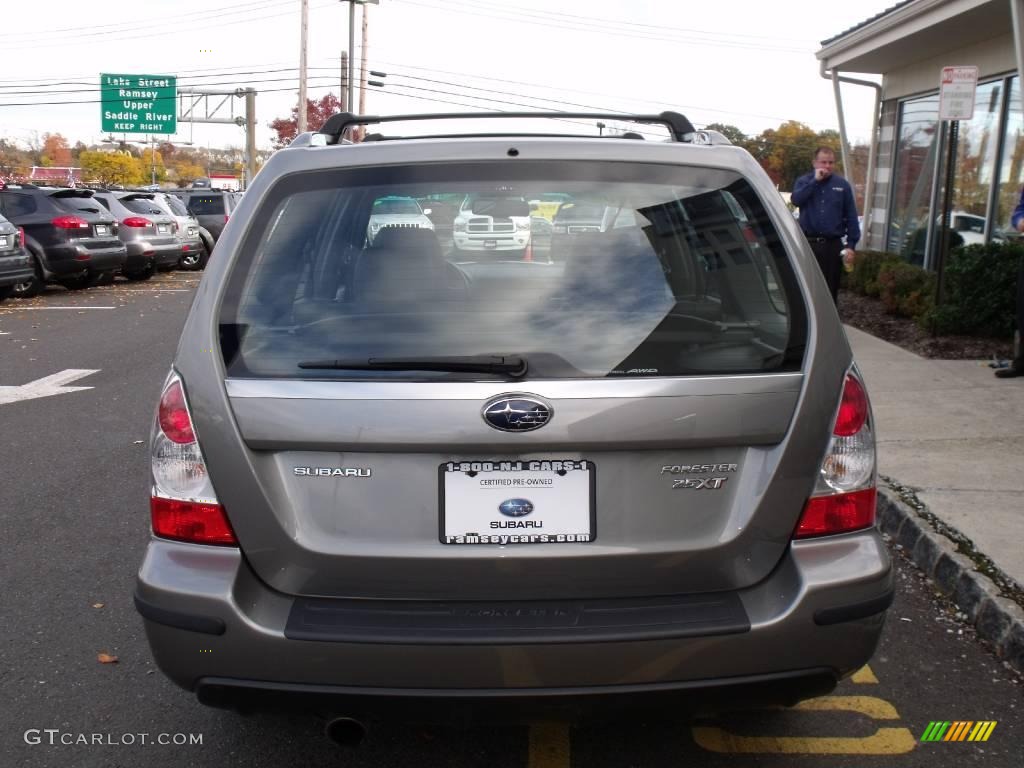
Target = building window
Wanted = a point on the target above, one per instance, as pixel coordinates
(1011, 175)
(916, 145)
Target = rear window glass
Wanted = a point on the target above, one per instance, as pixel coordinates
(79, 204)
(389, 206)
(142, 205)
(686, 275)
(19, 205)
(202, 205)
(176, 206)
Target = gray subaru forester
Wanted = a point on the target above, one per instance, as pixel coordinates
(623, 466)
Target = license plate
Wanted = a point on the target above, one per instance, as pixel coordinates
(102, 229)
(4, 242)
(490, 243)
(517, 502)
(162, 229)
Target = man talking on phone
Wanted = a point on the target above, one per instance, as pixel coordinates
(828, 214)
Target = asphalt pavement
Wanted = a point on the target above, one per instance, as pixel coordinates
(73, 507)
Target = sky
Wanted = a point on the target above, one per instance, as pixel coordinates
(747, 63)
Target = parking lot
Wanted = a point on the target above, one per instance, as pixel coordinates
(80, 372)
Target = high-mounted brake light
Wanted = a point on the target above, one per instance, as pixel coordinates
(844, 496)
(137, 221)
(183, 504)
(70, 222)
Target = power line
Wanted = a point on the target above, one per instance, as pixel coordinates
(520, 16)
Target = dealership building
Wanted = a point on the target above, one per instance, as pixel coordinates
(909, 45)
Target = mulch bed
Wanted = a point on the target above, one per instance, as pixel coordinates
(868, 314)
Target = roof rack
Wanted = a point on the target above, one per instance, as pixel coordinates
(680, 129)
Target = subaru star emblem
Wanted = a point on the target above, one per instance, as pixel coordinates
(517, 414)
(516, 507)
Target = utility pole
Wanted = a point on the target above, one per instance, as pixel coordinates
(152, 157)
(250, 135)
(362, 66)
(302, 68)
(343, 93)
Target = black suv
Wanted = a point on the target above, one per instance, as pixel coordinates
(211, 207)
(71, 240)
(14, 266)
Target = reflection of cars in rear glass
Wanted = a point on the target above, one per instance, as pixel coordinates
(492, 223)
(396, 212)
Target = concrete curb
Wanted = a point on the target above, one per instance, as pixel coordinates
(994, 609)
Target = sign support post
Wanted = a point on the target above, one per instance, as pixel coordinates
(957, 87)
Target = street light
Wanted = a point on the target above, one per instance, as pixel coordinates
(352, 49)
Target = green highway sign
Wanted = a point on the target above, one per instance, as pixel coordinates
(139, 103)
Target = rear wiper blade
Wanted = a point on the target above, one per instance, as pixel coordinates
(512, 365)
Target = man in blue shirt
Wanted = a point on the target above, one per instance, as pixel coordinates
(828, 213)
(1017, 364)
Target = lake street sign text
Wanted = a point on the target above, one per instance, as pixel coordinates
(139, 103)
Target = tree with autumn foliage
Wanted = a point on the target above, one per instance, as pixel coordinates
(317, 113)
(56, 152)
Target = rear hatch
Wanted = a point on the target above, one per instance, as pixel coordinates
(161, 228)
(618, 424)
(95, 227)
(10, 239)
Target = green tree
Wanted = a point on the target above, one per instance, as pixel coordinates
(731, 132)
(110, 168)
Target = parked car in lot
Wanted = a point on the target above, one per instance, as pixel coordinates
(14, 264)
(211, 207)
(640, 477)
(493, 222)
(396, 211)
(71, 239)
(149, 232)
(196, 243)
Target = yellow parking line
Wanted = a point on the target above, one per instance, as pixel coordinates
(549, 746)
(864, 676)
(876, 709)
(885, 741)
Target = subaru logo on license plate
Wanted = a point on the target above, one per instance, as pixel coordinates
(517, 414)
(516, 507)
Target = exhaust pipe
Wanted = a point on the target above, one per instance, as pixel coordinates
(346, 731)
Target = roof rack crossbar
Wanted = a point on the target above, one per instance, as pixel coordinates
(334, 128)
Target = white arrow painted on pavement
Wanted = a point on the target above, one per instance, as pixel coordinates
(46, 386)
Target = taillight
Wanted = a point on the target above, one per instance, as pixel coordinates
(21, 236)
(226, 217)
(183, 503)
(70, 222)
(137, 221)
(190, 521)
(844, 495)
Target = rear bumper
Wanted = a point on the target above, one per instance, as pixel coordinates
(696, 697)
(142, 252)
(14, 270)
(816, 618)
(72, 259)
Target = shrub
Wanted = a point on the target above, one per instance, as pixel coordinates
(864, 278)
(906, 289)
(979, 291)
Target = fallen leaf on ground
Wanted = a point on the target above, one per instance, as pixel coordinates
(97, 605)
(106, 658)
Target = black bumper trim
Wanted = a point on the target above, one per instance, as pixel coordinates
(862, 610)
(708, 696)
(408, 622)
(207, 625)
